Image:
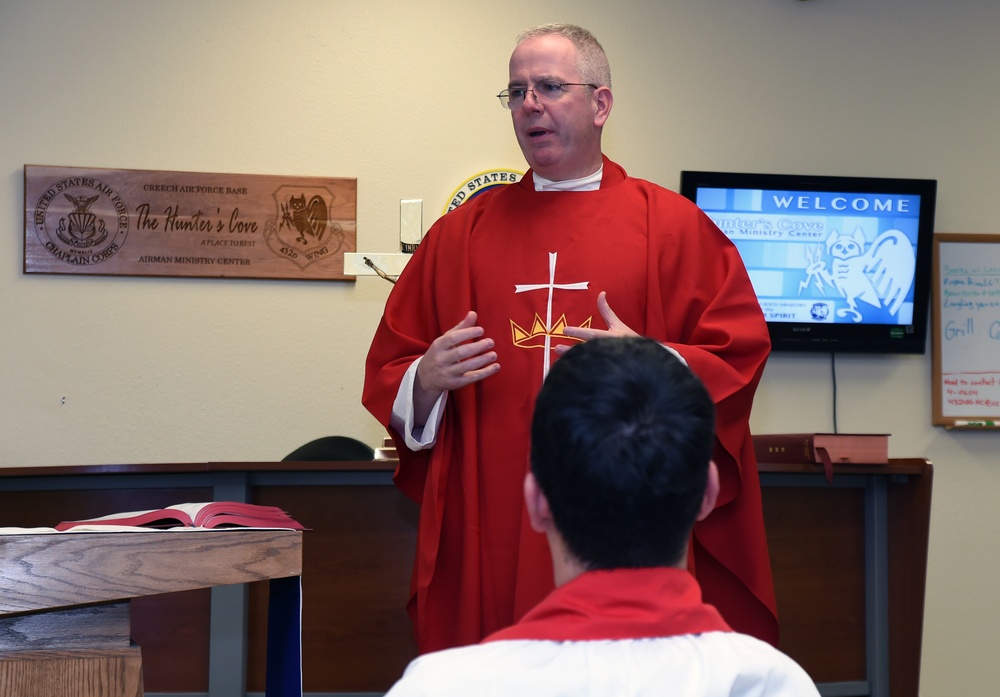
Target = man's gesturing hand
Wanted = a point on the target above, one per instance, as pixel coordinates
(615, 326)
(457, 358)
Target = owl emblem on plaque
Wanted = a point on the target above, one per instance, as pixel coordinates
(301, 230)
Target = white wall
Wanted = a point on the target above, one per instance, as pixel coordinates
(400, 95)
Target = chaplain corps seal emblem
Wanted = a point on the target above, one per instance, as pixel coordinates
(81, 221)
(479, 183)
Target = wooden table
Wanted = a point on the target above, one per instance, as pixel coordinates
(65, 598)
(849, 560)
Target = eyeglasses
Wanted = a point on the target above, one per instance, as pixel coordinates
(546, 91)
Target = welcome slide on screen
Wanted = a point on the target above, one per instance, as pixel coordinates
(823, 256)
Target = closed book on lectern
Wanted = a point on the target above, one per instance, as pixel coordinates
(214, 514)
(822, 448)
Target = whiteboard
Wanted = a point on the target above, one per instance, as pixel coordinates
(966, 331)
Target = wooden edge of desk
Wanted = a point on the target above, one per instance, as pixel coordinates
(307, 466)
(201, 467)
(70, 470)
(902, 466)
(895, 466)
(46, 571)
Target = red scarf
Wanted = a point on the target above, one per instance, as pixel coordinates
(619, 604)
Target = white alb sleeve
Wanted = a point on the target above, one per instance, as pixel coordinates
(416, 438)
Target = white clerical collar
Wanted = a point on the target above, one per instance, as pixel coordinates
(591, 183)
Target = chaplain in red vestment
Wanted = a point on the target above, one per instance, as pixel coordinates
(496, 291)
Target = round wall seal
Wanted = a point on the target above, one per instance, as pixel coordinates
(81, 221)
(478, 183)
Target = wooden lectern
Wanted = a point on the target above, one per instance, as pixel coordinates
(64, 598)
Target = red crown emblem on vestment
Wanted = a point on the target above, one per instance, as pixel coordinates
(536, 337)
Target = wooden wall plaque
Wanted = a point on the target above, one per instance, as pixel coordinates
(118, 222)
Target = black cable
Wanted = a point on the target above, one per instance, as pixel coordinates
(833, 372)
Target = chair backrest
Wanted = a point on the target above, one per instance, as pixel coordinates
(331, 448)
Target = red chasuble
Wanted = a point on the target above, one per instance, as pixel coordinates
(529, 263)
(620, 604)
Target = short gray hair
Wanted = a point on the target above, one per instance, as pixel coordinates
(591, 60)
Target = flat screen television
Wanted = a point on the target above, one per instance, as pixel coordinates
(837, 263)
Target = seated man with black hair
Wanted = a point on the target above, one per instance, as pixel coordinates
(621, 445)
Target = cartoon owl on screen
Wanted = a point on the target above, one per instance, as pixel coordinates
(880, 276)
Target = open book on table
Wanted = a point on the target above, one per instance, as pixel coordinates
(213, 514)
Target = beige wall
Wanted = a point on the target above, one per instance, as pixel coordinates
(400, 95)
